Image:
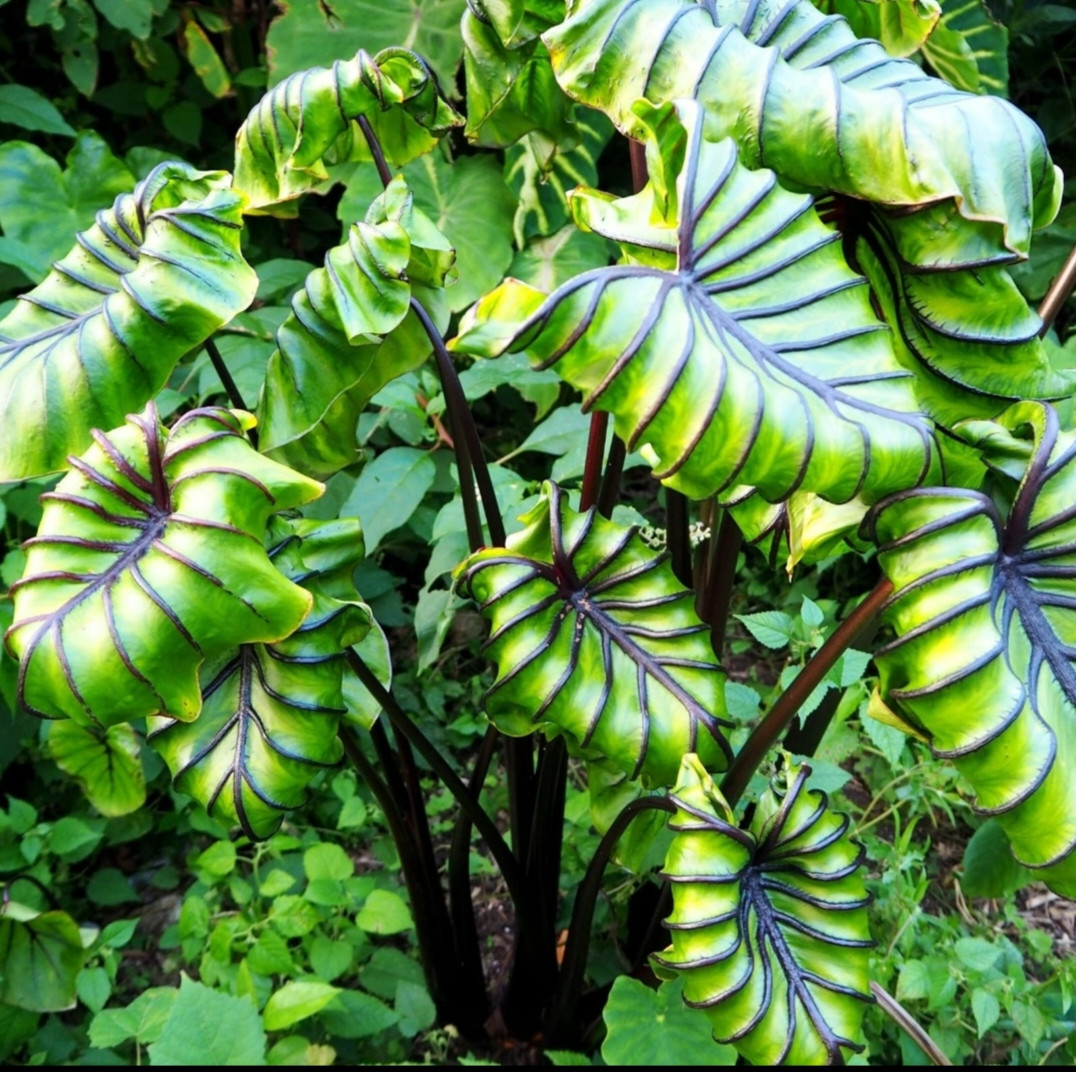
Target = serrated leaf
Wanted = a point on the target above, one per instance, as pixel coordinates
(309, 122)
(773, 628)
(769, 926)
(156, 275)
(271, 711)
(107, 764)
(41, 955)
(593, 635)
(736, 346)
(142, 1020)
(986, 1010)
(982, 661)
(151, 546)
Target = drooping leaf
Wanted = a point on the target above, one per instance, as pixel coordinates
(830, 112)
(271, 711)
(983, 658)
(769, 926)
(594, 636)
(41, 954)
(205, 60)
(310, 121)
(737, 346)
(149, 558)
(154, 277)
(351, 331)
(107, 764)
(309, 33)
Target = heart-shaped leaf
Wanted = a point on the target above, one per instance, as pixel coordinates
(738, 346)
(107, 764)
(154, 277)
(769, 926)
(593, 635)
(984, 662)
(148, 558)
(41, 955)
(271, 711)
(310, 121)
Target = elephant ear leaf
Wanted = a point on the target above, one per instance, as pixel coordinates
(271, 711)
(310, 121)
(351, 330)
(595, 637)
(737, 346)
(769, 926)
(154, 277)
(41, 954)
(984, 659)
(106, 763)
(148, 558)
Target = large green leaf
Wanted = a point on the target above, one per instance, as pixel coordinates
(351, 331)
(769, 926)
(41, 954)
(983, 609)
(148, 559)
(738, 347)
(107, 764)
(802, 95)
(969, 31)
(310, 121)
(154, 277)
(271, 711)
(594, 636)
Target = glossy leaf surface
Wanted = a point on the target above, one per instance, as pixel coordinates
(148, 558)
(351, 330)
(594, 636)
(310, 121)
(156, 275)
(41, 955)
(107, 764)
(984, 610)
(271, 711)
(769, 926)
(802, 95)
(739, 347)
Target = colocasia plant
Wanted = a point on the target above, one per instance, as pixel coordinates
(801, 320)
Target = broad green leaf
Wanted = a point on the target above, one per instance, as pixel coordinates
(389, 490)
(142, 1020)
(41, 954)
(982, 662)
(355, 1015)
(271, 712)
(900, 25)
(737, 347)
(24, 107)
(309, 33)
(987, 41)
(989, 867)
(154, 277)
(510, 91)
(149, 558)
(594, 637)
(547, 263)
(986, 1009)
(42, 205)
(769, 926)
(310, 121)
(654, 1027)
(134, 16)
(384, 912)
(295, 1001)
(228, 1030)
(362, 707)
(830, 112)
(415, 1008)
(107, 764)
(351, 331)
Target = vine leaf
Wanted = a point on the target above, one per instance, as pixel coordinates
(309, 122)
(107, 764)
(984, 659)
(271, 711)
(352, 330)
(41, 954)
(769, 926)
(737, 346)
(148, 559)
(593, 636)
(803, 95)
(156, 275)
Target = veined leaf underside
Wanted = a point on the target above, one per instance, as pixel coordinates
(569, 632)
